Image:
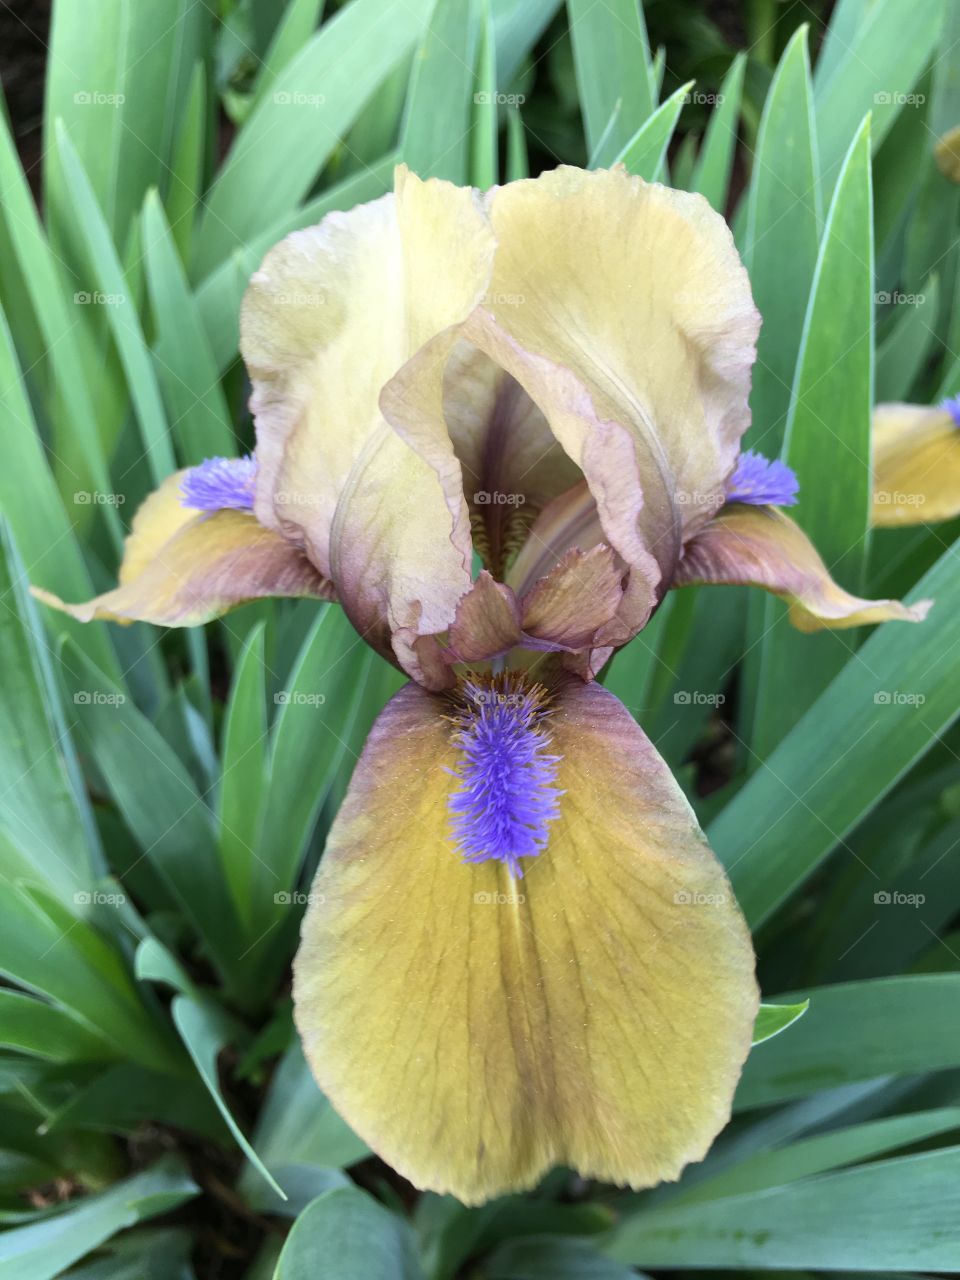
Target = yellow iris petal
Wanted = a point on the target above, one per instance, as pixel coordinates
(476, 1030)
(916, 465)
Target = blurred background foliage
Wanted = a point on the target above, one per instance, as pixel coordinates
(165, 796)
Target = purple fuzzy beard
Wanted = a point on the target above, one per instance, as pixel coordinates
(763, 482)
(220, 484)
(952, 406)
(507, 796)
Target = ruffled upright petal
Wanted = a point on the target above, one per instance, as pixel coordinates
(761, 547)
(635, 325)
(476, 1029)
(332, 315)
(916, 463)
(182, 567)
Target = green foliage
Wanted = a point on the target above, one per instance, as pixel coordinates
(165, 797)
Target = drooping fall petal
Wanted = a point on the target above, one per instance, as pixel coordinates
(761, 547)
(182, 567)
(477, 1029)
(916, 463)
(334, 312)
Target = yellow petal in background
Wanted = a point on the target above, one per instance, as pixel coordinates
(181, 568)
(476, 1030)
(916, 465)
(947, 154)
(761, 547)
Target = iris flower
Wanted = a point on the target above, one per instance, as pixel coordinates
(916, 463)
(497, 429)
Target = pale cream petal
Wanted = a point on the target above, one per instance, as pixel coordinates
(329, 319)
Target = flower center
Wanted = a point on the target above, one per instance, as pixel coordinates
(507, 797)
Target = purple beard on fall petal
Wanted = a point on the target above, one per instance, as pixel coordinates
(762, 481)
(952, 406)
(507, 796)
(220, 484)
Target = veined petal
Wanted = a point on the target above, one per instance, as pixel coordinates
(761, 547)
(334, 312)
(476, 1029)
(181, 568)
(576, 600)
(916, 463)
(636, 318)
(487, 622)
